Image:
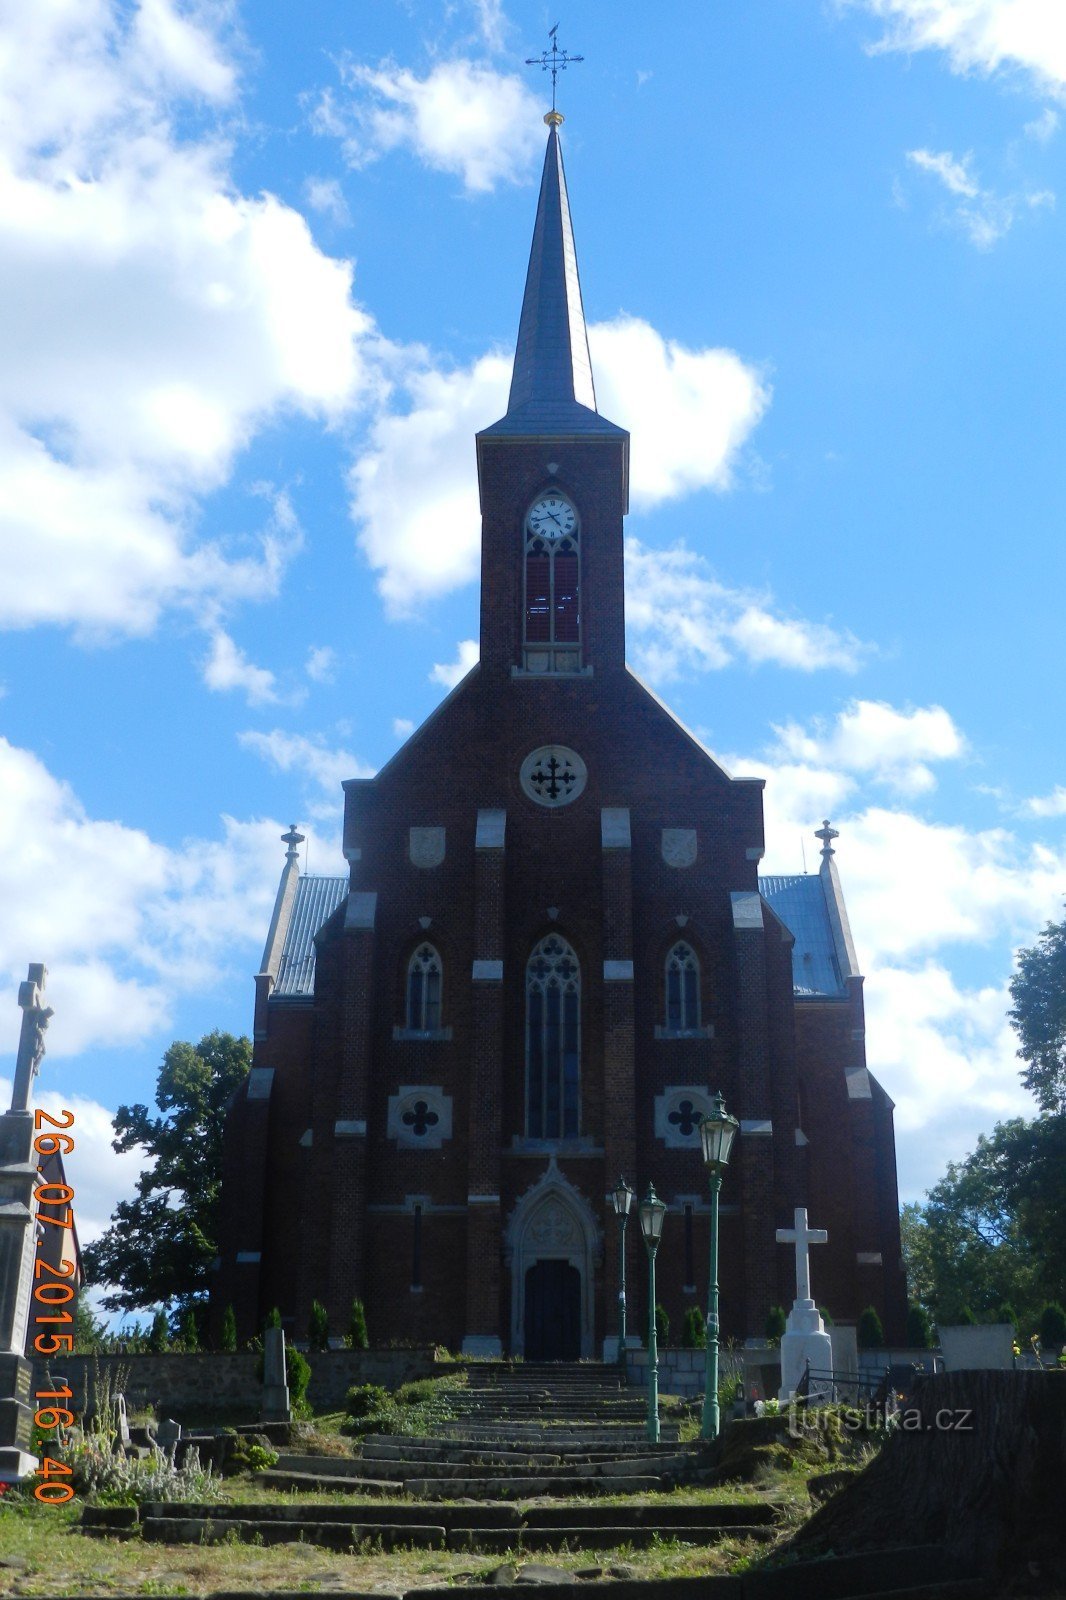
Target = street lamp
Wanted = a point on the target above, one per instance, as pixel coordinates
(717, 1132)
(622, 1199)
(652, 1213)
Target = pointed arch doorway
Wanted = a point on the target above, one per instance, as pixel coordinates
(554, 1248)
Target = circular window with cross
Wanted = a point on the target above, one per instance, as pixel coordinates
(678, 1113)
(553, 775)
(420, 1117)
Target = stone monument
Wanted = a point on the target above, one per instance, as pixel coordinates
(275, 1405)
(805, 1339)
(18, 1236)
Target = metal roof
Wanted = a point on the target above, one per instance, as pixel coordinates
(800, 902)
(316, 901)
(552, 391)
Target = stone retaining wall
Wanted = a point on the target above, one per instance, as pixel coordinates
(194, 1383)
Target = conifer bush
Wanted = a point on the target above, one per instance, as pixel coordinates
(358, 1338)
(228, 1336)
(318, 1327)
(870, 1333)
(693, 1331)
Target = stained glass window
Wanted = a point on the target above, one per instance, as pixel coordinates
(682, 990)
(553, 1041)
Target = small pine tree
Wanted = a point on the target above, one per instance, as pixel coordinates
(776, 1323)
(190, 1335)
(1052, 1326)
(228, 1340)
(693, 1332)
(1007, 1313)
(273, 1319)
(919, 1328)
(318, 1327)
(159, 1333)
(662, 1325)
(826, 1318)
(358, 1338)
(966, 1318)
(870, 1334)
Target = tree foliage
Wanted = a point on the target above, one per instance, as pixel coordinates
(358, 1338)
(1038, 990)
(160, 1245)
(869, 1333)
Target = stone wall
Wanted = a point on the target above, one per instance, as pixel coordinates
(174, 1384)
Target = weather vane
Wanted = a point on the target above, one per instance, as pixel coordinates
(553, 61)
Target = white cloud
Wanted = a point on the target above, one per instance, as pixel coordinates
(1047, 805)
(450, 673)
(492, 22)
(176, 919)
(163, 318)
(227, 667)
(690, 411)
(402, 727)
(954, 175)
(326, 196)
(308, 755)
(462, 118)
(1044, 127)
(984, 36)
(872, 738)
(321, 664)
(681, 619)
(982, 214)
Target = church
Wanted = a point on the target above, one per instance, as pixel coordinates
(549, 948)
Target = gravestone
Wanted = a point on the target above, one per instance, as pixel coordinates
(982, 1348)
(167, 1435)
(804, 1339)
(275, 1404)
(18, 1236)
(122, 1421)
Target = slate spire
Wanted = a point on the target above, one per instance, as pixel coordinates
(552, 390)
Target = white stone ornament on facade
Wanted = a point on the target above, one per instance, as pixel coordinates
(679, 847)
(419, 1116)
(553, 775)
(678, 1112)
(425, 847)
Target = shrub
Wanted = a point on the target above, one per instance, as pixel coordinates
(418, 1393)
(693, 1332)
(318, 1327)
(662, 1325)
(966, 1318)
(919, 1328)
(776, 1322)
(364, 1399)
(1053, 1325)
(228, 1338)
(114, 1479)
(826, 1318)
(870, 1334)
(159, 1333)
(273, 1319)
(297, 1377)
(1007, 1313)
(358, 1338)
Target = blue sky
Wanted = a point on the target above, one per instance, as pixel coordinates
(263, 270)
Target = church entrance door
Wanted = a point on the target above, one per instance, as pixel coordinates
(553, 1312)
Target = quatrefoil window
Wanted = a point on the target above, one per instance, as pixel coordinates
(686, 1119)
(420, 1119)
(553, 775)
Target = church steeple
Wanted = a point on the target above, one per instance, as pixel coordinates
(552, 389)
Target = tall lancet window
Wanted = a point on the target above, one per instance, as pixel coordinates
(553, 586)
(553, 1041)
(682, 990)
(423, 990)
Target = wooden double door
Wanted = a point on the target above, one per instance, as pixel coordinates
(552, 1312)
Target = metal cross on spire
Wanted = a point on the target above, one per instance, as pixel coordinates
(553, 61)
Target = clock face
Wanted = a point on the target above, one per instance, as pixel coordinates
(551, 517)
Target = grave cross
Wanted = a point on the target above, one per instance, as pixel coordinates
(802, 1236)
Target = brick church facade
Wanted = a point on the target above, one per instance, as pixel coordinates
(551, 946)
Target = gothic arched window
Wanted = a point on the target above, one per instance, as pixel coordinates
(553, 1041)
(553, 587)
(423, 990)
(682, 990)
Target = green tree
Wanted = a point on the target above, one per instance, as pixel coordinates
(358, 1338)
(89, 1334)
(1052, 1326)
(273, 1319)
(693, 1332)
(228, 1336)
(776, 1323)
(160, 1245)
(190, 1332)
(318, 1327)
(662, 1325)
(159, 1333)
(1038, 990)
(919, 1328)
(870, 1334)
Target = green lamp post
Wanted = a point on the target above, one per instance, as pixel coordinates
(717, 1132)
(652, 1214)
(622, 1199)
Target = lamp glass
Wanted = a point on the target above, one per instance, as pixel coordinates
(717, 1132)
(622, 1198)
(652, 1215)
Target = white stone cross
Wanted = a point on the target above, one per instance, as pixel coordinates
(802, 1236)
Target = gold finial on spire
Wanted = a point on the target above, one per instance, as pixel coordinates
(554, 119)
(553, 61)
